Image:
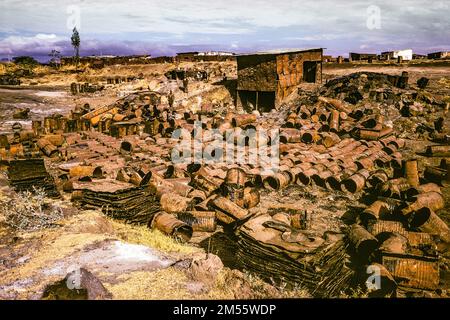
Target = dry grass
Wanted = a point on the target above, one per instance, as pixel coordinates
(355, 293)
(29, 211)
(163, 284)
(256, 288)
(151, 238)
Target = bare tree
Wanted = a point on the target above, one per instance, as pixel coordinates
(76, 44)
(56, 58)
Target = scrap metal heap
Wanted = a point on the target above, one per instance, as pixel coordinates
(118, 158)
(24, 174)
(410, 109)
(272, 247)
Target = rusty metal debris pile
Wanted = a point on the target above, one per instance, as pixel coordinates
(400, 231)
(329, 145)
(117, 199)
(26, 174)
(279, 252)
(120, 158)
(193, 74)
(76, 88)
(119, 79)
(410, 109)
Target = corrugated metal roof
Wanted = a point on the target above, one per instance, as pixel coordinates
(279, 51)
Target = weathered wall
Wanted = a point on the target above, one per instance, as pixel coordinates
(290, 67)
(290, 70)
(439, 55)
(257, 73)
(361, 56)
(277, 73)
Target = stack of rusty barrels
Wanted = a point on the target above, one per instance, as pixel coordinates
(400, 234)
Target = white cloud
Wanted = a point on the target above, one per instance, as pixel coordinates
(317, 37)
(287, 22)
(38, 44)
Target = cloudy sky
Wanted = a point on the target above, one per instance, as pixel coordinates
(164, 27)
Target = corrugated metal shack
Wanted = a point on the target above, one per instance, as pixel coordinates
(266, 78)
(186, 56)
(439, 55)
(354, 56)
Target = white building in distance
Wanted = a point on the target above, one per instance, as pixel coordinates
(406, 54)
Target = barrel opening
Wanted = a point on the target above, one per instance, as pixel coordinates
(420, 217)
(307, 137)
(318, 180)
(349, 185)
(193, 167)
(272, 183)
(126, 146)
(183, 233)
(97, 173)
(333, 183)
(303, 178)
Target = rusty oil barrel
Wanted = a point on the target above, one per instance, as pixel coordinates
(203, 221)
(432, 200)
(170, 225)
(438, 175)
(278, 181)
(329, 139)
(377, 210)
(243, 119)
(305, 176)
(438, 151)
(356, 182)
(394, 187)
(229, 208)
(236, 176)
(411, 172)
(363, 242)
(334, 120)
(424, 188)
(251, 197)
(426, 220)
(47, 148)
(377, 177)
(392, 243)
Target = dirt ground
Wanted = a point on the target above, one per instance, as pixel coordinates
(30, 261)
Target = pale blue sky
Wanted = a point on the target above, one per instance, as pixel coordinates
(164, 27)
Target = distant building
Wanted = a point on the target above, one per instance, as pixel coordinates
(353, 56)
(265, 78)
(187, 56)
(439, 55)
(406, 54)
(416, 56)
(101, 57)
(205, 56)
(328, 59)
(216, 53)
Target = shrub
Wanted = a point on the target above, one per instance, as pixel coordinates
(28, 211)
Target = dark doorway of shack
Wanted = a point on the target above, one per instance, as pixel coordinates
(309, 71)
